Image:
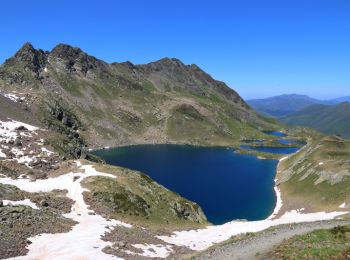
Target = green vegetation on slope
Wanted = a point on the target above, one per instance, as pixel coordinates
(137, 199)
(318, 176)
(317, 245)
(326, 119)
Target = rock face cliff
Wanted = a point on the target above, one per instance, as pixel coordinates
(99, 104)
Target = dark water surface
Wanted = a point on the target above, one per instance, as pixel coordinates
(291, 141)
(275, 133)
(274, 150)
(226, 185)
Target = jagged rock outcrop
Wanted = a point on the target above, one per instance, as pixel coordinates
(25, 66)
(68, 60)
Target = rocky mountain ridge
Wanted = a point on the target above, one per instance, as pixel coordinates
(123, 103)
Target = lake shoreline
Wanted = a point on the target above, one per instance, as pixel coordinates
(185, 164)
(201, 238)
(237, 150)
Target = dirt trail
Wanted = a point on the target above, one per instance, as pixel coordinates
(257, 246)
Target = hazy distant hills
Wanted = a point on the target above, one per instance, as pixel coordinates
(283, 105)
(327, 116)
(339, 100)
(324, 118)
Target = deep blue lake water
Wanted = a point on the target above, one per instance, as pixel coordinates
(291, 141)
(226, 185)
(275, 133)
(275, 150)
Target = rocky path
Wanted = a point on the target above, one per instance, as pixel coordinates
(257, 246)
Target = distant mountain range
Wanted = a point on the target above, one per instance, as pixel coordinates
(324, 118)
(283, 105)
(339, 100)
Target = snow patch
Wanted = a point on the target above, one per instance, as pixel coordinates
(48, 152)
(84, 240)
(201, 239)
(25, 202)
(2, 155)
(320, 163)
(26, 160)
(342, 206)
(14, 97)
(279, 202)
(283, 158)
(8, 130)
(13, 131)
(150, 250)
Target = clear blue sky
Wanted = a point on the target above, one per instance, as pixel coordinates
(260, 48)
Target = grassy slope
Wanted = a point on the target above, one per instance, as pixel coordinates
(132, 117)
(318, 176)
(326, 119)
(319, 244)
(135, 198)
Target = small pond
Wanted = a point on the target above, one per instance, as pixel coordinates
(274, 150)
(275, 133)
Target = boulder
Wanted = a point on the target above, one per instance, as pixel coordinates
(44, 203)
(18, 142)
(21, 128)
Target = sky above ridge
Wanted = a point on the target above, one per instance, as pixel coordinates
(259, 48)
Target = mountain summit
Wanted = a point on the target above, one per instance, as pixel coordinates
(105, 104)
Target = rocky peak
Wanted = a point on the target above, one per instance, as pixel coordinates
(189, 77)
(200, 74)
(165, 65)
(25, 67)
(29, 58)
(127, 64)
(171, 63)
(65, 51)
(26, 48)
(72, 60)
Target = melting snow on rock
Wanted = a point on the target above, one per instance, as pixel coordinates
(84, 240)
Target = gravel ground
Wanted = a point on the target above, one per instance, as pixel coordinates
(257, 246)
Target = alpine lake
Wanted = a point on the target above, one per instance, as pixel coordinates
(227, 185)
